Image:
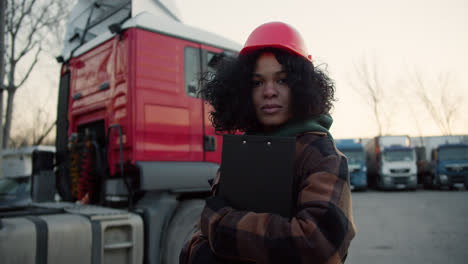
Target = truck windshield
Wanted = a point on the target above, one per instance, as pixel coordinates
(398, 155)
(354, 156)
(455, 153)
(14, 188)
(88, 20)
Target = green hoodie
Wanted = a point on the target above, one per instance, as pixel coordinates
(294, 127)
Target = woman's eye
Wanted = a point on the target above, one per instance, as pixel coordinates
(282, 81)
(256, 83)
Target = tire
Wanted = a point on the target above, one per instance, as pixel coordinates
(181, 228)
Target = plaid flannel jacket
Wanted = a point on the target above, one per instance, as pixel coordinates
(320, 231)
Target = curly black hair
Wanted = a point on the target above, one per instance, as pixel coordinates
(229, 90)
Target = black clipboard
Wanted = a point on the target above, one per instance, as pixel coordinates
(257, 173)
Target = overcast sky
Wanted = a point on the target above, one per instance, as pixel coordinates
(401, 37)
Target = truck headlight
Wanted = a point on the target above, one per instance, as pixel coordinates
(364, 169)
(443, 178)
(387, 179)
(412, 178)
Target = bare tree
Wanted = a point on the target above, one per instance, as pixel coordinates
(34, 132)
(407, 98)
(443, 106)
(30, 26)
(369, 87)
(2, 73)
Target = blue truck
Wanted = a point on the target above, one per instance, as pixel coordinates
(449, 166)
(354, 151)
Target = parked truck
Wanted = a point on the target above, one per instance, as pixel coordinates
(18, 168)
(449, 166)
(391, 163)
(135, 149)
(356, 155)
(428, 164)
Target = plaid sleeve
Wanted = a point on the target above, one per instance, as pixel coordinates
(197, 250)
(320, 231)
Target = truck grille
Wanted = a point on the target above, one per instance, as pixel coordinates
(457, 169)
(458, 179)
(400, 180)
(399, 170)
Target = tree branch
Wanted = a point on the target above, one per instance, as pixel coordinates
(30, 67)
(371, 84)
(25, 11)
(29, 46)
(428, 103)
(44, 135)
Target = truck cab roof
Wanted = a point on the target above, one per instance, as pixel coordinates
(349, 144)
(456, 145)
(89, 23)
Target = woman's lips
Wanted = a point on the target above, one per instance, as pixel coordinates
(271, 109)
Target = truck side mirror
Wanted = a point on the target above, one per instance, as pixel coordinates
(43, 176)
(43, 186)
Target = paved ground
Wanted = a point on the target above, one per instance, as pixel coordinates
(410, 227)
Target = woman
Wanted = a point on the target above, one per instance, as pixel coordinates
(273, 88)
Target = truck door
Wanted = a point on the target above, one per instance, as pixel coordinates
(212, 142)
(192, 73)
(168, 113)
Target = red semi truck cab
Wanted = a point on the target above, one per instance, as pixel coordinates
(132, 134)
(129, 99)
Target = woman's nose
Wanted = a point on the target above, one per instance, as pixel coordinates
(270, 89)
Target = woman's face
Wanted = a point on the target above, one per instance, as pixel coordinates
(271, 94)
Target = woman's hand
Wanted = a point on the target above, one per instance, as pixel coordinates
(216, 207)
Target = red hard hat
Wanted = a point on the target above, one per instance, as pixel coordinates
(277, 35)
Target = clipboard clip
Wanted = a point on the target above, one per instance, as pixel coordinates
(267, 142)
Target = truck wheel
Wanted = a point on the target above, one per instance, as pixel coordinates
(181, 228)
